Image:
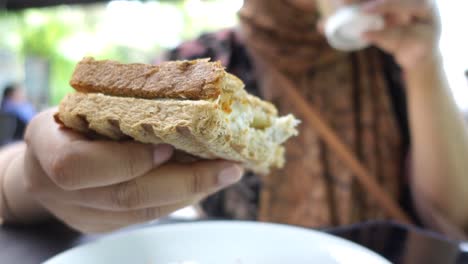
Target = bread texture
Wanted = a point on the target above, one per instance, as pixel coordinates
(233, 125)
(197, 79)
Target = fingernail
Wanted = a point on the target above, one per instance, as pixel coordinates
(162, 153)
(230, 175)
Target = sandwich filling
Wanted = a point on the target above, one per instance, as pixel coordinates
(251, 119)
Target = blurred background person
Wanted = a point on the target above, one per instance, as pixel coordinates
(390, 104)
(15, 104)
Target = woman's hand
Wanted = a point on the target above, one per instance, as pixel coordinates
(412, 30)
(98, 186)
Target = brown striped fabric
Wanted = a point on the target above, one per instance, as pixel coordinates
(349, 89)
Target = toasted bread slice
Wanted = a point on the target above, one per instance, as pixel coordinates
(197, 79)
(234, 125)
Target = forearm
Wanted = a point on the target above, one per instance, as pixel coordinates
(17, 206)
(439, 143)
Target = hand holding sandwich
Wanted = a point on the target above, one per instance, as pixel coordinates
(98, 186)
(102, 185)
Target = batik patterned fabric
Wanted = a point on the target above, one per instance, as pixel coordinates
(360, 96)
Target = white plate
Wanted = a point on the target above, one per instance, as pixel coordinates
(223, 242)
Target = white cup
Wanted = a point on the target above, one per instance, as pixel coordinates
(345, 26)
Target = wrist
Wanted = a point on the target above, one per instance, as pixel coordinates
(6, 156)
(17, 205)
(431, 63)
(428, 81)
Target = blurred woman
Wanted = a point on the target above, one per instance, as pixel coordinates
(390, 104)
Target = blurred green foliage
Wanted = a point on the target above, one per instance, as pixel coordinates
(43, 32)
(40, 39)
(37, 33)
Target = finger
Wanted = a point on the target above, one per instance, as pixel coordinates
(401, 7)
(167, 184)
(73, 162)
(36, 181)
(86, 164)
(75, 222)
(388, 39)
(414, 38)
(397, 20)
(91, 220)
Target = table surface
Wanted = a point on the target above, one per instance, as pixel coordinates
(397, 243)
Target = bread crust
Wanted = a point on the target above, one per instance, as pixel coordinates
(197, 79)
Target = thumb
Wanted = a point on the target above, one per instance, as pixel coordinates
(162, 153)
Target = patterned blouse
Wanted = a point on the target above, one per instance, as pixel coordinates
(241, 201)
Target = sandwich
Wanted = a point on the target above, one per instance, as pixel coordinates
(195, 106)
